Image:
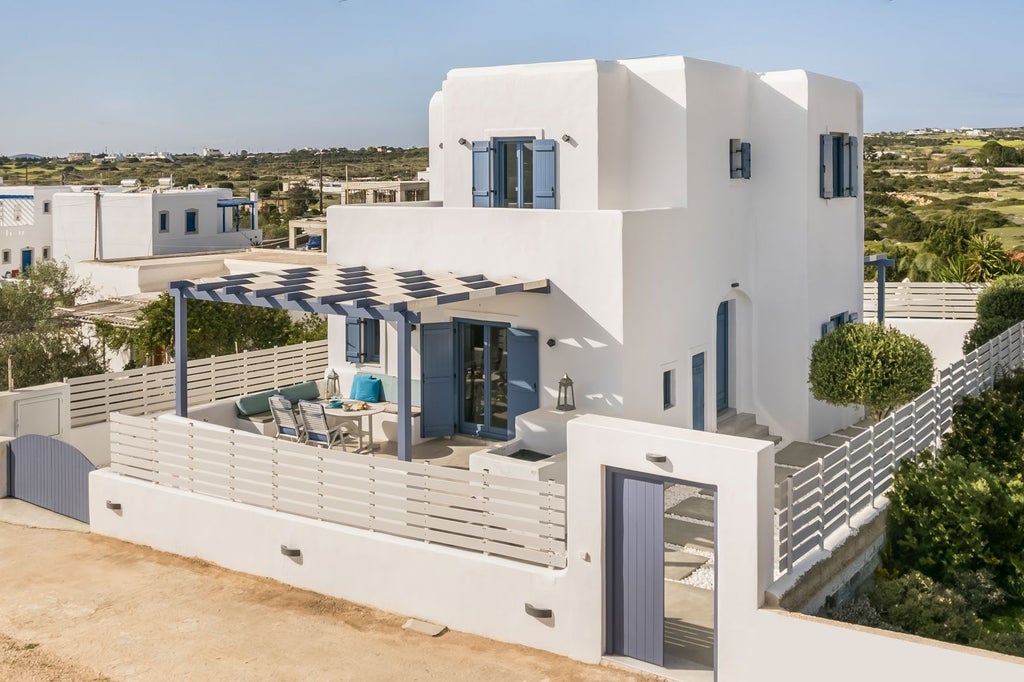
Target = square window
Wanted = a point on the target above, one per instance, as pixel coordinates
(668, 388)
(362, 340)
(191, 221)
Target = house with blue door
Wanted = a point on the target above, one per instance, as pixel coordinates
(26, 226)
(698, 224)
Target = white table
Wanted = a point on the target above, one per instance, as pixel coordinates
(342, 413)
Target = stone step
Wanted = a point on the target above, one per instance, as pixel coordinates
(737, 423)
(699, 508)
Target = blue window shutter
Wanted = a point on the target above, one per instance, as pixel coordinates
(735, 163)
(353, 342)
(523, 374)
(826, 175)
(481, 174)
(853, 164)
(745, 160)
(544, 174)
(437, 360)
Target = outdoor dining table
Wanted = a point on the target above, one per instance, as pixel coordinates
(342, 413)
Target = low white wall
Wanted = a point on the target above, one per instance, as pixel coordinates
(944, 337)
(93, 440)
(53, 406)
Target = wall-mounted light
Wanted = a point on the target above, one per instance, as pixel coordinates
(566, 137)
(537, 612)
(735, 285)
(440, 145)
(462, 140)
(657, 459)
(551, 343)
(114, 506)
(290, 551)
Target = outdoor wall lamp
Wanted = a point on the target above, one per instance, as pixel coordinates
(734, 285)
(290, 551)
(657, 459)
(462, 140)
(566, 137)
(566, 394)
(113, 506)
(551, 343)
(536, 612)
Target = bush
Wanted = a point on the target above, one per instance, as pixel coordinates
(872, 365)
(903, 224)
(1000, 306)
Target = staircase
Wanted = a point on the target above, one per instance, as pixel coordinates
(744, 425)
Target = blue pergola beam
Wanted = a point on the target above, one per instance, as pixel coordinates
(405, 391)
(881, 261)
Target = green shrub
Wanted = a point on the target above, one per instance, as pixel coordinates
(1000, 306)
(872, 365)
(915, 603)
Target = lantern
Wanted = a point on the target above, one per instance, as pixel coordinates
(566, 394)
(333, 386)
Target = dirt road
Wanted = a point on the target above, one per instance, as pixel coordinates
(75, 606)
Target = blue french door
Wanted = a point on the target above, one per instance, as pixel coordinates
(26, 260)
(722, 358)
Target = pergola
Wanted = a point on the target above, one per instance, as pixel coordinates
(355, 291)
(235, 205)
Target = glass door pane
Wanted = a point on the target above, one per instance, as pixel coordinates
(499, 379)
(473, 388)
(526, 162)
(510, 174)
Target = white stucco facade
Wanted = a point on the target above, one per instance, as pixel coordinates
(649, 235)
(144, 223)
(26, 225)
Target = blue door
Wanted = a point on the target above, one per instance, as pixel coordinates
(698, 392)
(26, 260)
(523, 359)
(437, 354)
(636, 567)
(722, 358)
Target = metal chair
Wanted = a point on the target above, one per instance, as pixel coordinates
(318, 431)
(284, 416)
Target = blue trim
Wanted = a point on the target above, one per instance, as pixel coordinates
(698, 392)
(191, 221)
(16, 196)
(227, 203)
(498, 179)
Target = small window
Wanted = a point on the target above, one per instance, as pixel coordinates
(837, 321)
(739, 159)
(46, 252)
(7, 256)
(362, 340)
(840, 166)
(668, 388)
(515, 172)
(191, 221)
(165, 220)
(46, 207)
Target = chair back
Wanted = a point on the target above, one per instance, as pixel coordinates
(284, 417)
(315, 420)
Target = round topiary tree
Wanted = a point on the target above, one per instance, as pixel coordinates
(872, 365)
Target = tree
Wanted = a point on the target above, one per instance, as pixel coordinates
(999, 307)
(213, 329)
(300, 196)
(903, 224)
(872, 365)
(952, 239)
(44, 348)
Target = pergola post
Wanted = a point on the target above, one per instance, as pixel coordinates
(405, 390)
(881, 261)
(180, 352)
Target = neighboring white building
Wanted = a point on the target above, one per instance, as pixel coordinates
(680, 289)
(103, 225)
(26, 225)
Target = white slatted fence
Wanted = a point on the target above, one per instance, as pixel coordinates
(924, 300)
(151, 389)
(508, 517)
(825, 496)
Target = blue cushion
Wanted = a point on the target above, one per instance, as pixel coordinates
(304, 391)
(365, 388)
(256, 403)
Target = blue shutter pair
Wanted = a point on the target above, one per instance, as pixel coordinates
(361, 339)
(840, 160)
(739, 159)
(544, 176)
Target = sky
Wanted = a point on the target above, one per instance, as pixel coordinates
(178, 76)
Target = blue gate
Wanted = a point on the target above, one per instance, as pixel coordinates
(50, 474)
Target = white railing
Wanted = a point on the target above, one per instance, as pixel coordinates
(825, 497)
(151, 389)
(508, 517)
(926, 300)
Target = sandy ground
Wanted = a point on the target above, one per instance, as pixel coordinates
(76, 606)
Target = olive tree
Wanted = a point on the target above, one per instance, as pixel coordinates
(872, 365)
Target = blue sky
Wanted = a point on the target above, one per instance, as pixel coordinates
(260, 75)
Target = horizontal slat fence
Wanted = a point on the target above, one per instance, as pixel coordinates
(508, 517)
(826, 495)
(151, 389)
(925, 300)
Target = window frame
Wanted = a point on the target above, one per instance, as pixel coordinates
(46, 253)
(498, 144)
(46, 207)
(164, 222)
(6, 257)
(195, 224)
(368, 342)
(668, 388)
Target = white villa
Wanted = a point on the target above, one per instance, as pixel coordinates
(588, 346)
(26, 226)
(134, 223)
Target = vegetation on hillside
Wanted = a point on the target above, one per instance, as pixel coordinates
(953, 565)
